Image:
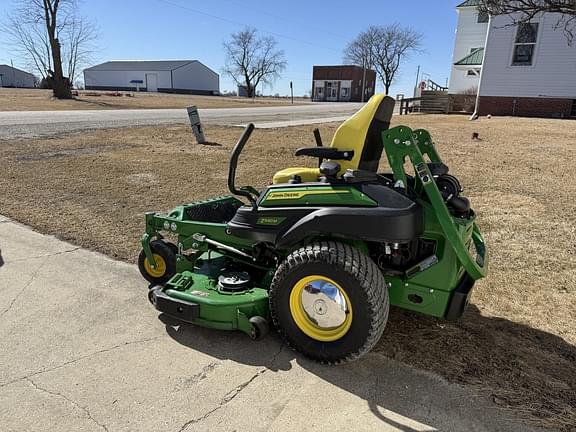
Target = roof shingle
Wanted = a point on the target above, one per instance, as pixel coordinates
(475, 58)
(469, 3)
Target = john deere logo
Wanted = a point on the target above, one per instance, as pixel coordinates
(287, 195)
(270, 220)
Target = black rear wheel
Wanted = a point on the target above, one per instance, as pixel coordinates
(329, 301)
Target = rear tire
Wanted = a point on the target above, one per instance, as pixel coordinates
(361, 287)
(165, 260)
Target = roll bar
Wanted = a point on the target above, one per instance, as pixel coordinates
(245, 191)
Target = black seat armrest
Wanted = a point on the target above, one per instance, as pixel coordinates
(325, 153)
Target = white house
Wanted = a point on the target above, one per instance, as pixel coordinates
(527, 69)
(170, 76)
(468, 48)
(13, 77)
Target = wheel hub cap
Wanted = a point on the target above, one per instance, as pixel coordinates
(321, 308)
(324, 304)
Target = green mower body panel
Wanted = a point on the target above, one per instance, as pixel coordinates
(361, 213)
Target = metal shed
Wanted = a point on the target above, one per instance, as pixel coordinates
(169, 76)
(12, 77)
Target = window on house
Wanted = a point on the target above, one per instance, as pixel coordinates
(474, 49)
(345, 92)
(483, 17)
(525, 44)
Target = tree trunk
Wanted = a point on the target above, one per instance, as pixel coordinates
(387, 89)
(61, 85)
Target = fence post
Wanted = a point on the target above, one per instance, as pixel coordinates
(195, 123)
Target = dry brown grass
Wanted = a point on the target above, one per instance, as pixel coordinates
(517, 340)
(42, 100)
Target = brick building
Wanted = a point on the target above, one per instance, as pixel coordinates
(342, 83)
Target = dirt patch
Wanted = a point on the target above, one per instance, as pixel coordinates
(516, 342)
(42, 100)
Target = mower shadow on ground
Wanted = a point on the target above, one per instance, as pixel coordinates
(517, 366)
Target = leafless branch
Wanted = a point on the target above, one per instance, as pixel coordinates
(522, 11)
(53, 38)
(252, 60)
(384, 48)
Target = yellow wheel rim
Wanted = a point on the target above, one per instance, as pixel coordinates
(321, 308)
(160, 266)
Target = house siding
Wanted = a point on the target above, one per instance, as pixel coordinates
(469, 34)
(552, 75)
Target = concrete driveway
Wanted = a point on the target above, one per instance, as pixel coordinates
(29, 124)
(82, 350)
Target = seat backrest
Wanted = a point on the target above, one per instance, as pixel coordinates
(362, 133)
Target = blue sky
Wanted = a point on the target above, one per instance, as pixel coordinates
(310, 32)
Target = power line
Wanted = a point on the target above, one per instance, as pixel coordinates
(283, 18)
(243, 24)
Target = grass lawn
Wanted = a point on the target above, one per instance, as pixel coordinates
(42, 100)
(517, 341)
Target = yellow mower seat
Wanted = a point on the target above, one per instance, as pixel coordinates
(360, 134)
(307, 175)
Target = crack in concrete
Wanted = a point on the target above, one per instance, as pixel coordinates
(44, 256)
(202, 375)
(84, 357)
(228, 397)
(32, 278)
(73, 402)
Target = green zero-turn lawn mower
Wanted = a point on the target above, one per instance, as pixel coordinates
(323, 252)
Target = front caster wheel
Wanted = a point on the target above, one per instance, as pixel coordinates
(152, 294)
(260, 328)
(165, 259)
(329, 301)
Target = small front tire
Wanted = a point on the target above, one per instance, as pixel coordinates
(260, 328)
(165, 263)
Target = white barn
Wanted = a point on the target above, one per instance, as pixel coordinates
(13, 77)
(169, 76)
(527, 69)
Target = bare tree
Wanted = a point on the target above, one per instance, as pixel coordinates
(360, 52)
(53, 38)
(78, 46)
(384, 48)
(252, 60)
(522, 11)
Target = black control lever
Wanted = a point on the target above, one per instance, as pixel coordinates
(244, 191)
(318, 139)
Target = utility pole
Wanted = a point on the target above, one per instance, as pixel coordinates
(417, 80)
(363, 80)
(13, 73)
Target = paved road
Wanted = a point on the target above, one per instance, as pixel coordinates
(82, 350)
(39, 123)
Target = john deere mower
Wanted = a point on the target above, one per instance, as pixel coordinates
(323, 252)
